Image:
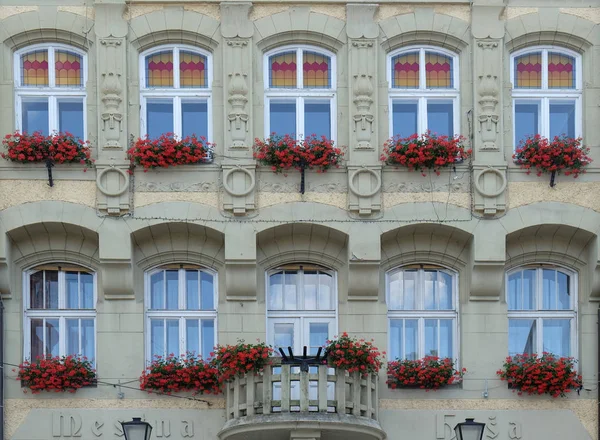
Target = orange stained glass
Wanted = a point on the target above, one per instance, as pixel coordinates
(316, 70)
(283, 70)
(405, 71)
(528, 71)
(192, 69)
(68, 68)
(159, 69)
(561, 71)
(34, 68)
(438, 71)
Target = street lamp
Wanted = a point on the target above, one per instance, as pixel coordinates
(469, 430)
(136, 429)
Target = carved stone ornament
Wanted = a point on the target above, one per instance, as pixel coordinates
(239, 183)
(364, 183)
(150, 186)
(363, 119)
(112, 182)
(488, 113)
(238, 115)
(490, 186)
(111, 111)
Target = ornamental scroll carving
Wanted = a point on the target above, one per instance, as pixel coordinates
(363, 97)
(111, 96)
(237, 91)
(488, 90)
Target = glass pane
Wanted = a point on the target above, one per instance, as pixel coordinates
(290, 295)
(157, 290)
(440, 117)
(325, 291)
(276, 291)
(37, 338)
(564, 294)
(317, 70)
(69, 72)
(192, 290)
(561, 71)
(157, 337)
(445, 290)
(438, 290)
(159, 69)
(431, 294)
(311, 287)
(395, 290)
(173, 337)
(88, 334)
(86, 284)
(527, 114)
(36, 290)
(172, 289)
(404, 119)
(410, 339)
(72, 285)
(317, 119)
(208, 337)
(283, 336)
(431, 337)
(549, 289)
(207, 289)
(528, 71)
(409, 291)
(70, 118)
(521, 290)
(557, 336)
(521, 336)
(396, 338)
(192, 336)
(283, 71)
(72, 336)
(438, 70)
(52, 337)
(192, 69)
(446, 338)
(51, 289)
(194, 119)
(283, 118)
(562, 118)
(34, 68)
(318, 335)
(35, 116)
(159, 117)
(405, 71)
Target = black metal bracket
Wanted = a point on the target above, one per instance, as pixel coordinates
(552, 178)
(304, 361)
(49, 165)
(302, 168)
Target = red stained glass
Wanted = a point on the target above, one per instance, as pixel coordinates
(528, 71)
(316, 70)
(192, 68)
(405, 71)
(159, 69)
(34, 68)
(561, 71)
(283, 70)
(68, 69)
(438, 70)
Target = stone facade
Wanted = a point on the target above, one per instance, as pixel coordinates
(240, 220)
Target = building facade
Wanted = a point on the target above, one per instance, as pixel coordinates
(479, 262)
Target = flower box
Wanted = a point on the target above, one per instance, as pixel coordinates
(548, 374)
(429, 373)
(353, 355)
(58, 374)
(168, 151)
(173, 374)
(233, 361)
(425, 152)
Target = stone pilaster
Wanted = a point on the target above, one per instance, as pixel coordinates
(115, 253)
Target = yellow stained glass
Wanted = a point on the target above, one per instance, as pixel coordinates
(561, 71)
(283, 70)
(159, 69)
(405, 71)
(68, 68)
(192, 69)
(34, 68)
(528, 71)
(438, 70)
(316, 70)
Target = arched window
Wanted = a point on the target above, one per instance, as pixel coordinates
(542, 310)
(301, 306)
(60, 311)
(175, 88)
(50, 91)
(422, 310)
(546, 92)
(181, 310)
(424, 91)
(300, 92)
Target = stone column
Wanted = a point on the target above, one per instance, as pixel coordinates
(489, 166)
(111, 166)
(238, 164)
(364, 170)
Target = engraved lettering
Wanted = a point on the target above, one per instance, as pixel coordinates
(491, 428)
(163, 428)
(118, 429)
(514, 430)
(96, 428)
(66, 425)
(441, 423)
(187, 428)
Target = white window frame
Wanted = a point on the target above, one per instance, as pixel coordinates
(421, 314)
(539, 314)
(176, 93)
(422, 94)
(181, 313)
(300, 94)
(53, 93)
(301, 319)
(545, 95)
(62, 313)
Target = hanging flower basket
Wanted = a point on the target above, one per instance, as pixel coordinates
(237, 360)
(58, 374)
(563, 154)
(425, 152)
(548, 374)
(429, 373)
(168, 151)
(353, 355)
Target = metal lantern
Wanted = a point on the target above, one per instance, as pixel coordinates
(469, 430)
(136, 429)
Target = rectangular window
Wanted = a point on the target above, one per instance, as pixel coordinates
(317, 119)
(440, 117)
(562, 118)
(159, 117)
(70, 117)
(405, 117)
(194, 118)
(35, 116)
(527, 117)
(282, 117)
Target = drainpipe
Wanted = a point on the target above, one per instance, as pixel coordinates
(597, 378)
(2, 369)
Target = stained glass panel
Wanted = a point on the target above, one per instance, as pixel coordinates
(561, 71)
(317, 70)
(34, 68)
(405, 71)
(283, 70)
(192, 68)
(438, 70)
(528, 71)
(68, 69)
(159, 69)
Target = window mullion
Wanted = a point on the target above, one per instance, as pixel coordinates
(51, 67)
(422, 74)
(62, 303)
(79, 337)
(200, 340)
(199, 292)
(300, 118)
(545, 119)
(176, 69)
(182, 337)
(165, 348)
(299, 69)
(545, 69)
(423, 122)
(62, 336)
(181, 287)
(53, 124)
(421, 338)
(177, 117)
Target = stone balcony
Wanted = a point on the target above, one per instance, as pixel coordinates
(322, 403)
